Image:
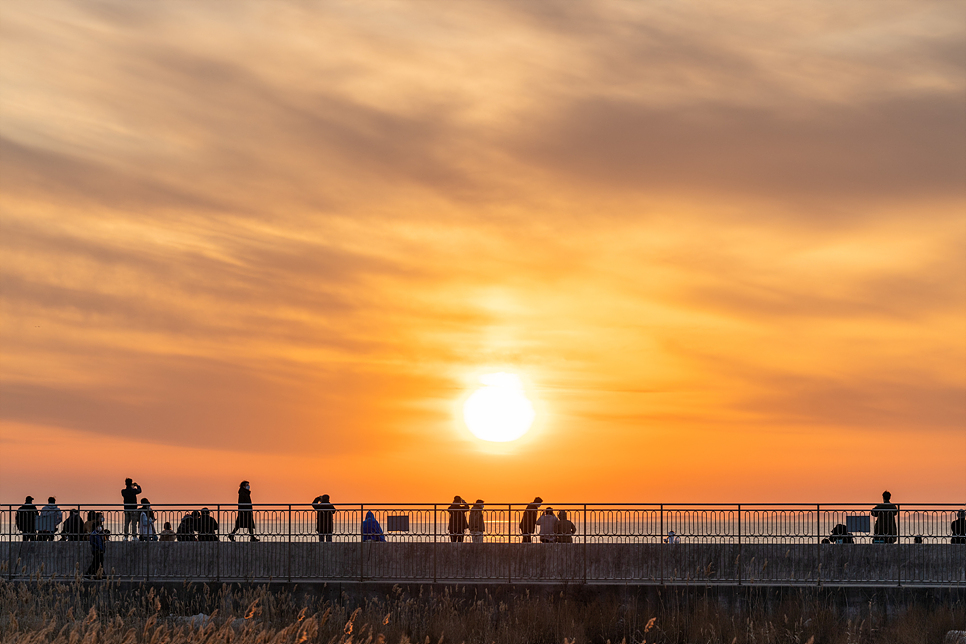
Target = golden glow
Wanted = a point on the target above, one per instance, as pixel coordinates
(499, 411)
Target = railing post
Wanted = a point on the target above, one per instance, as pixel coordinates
(898, 549)
(11, 522)
(818, 543)
(585, 546)
(509, 533)
(362, 536)
(290, 543)
(435, 541)
(660, 538)
(218, 547)
(739, 544)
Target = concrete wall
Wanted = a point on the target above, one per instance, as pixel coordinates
(759, 563)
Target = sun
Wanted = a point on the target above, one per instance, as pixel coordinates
(499, 411)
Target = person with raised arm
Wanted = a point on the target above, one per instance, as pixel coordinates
(324, 517)
(131, 514)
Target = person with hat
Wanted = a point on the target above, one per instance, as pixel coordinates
(27, 519)
(528, 523)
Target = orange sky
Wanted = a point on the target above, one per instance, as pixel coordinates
(725, 248)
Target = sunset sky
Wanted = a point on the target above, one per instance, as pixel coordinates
(723, 246)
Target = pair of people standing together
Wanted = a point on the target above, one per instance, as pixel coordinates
(459, 523)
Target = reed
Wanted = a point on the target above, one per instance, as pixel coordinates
(107, 613)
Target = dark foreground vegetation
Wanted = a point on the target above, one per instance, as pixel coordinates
(109, 613)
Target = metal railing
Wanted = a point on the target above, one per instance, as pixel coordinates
(811, 544)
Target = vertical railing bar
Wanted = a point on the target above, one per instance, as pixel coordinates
(218, 547)
(509, 532)
(435, 541)
(362, 537)
(898, 548)
(661, 541)
(290, 543)
(585, 546)
(740, 562)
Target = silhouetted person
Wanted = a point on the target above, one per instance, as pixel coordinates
(840, 534)
(73, 528)
(371, 530)
(885, 529)
(324, 517)
(565, 529)
(477, 524)
(207, 527)
(98, 541)
(188, 526)
(27, 519)
(958, 528)
(548, 525)
(90, 523)
(528, 523)
(131, 514)
(50, 517)
(457, 519)
(167, 534)
(246, 518)
(146, 529)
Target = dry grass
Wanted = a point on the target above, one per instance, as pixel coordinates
(107, 613)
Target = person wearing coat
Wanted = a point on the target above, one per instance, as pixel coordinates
(27, 519)
(528, 524)
(565, 529)
(324, 515)
(885, 529)
(98, 547)
(958, 528)
(50, 517)
(457, 519)
(246, 518)
(371, 530)
(207, 526)
(146, 529)
(477, 524)
(187, 527)
(73, 528)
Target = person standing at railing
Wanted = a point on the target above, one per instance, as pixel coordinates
(27, 519)
(528, 523)
(565, 529)
(98, 542)
(548, 526)
(371, 530)
(457, 519)
(477, 524)
(246, 517)
(131, 514)
(146, 529)
(886, 529)
(50, 517)
(90, 523)
(324, 517)
(958, 528)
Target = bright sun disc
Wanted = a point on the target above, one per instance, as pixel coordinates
(498, 411)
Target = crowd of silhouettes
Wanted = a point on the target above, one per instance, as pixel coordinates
(201, 525)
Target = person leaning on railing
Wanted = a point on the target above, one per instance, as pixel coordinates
(324, 515)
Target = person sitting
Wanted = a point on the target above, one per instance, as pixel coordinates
(371, 530)
(207, 526)
(564, 530)
(841, 534)
(187, 527)
(73, 527)
(167, 534)
(548, 525)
